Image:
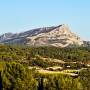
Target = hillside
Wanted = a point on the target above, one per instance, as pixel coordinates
(38, 68)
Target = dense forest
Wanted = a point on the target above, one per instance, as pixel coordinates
(9, 53)
(15, 74)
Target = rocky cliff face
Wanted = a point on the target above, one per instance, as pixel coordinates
(59, 36)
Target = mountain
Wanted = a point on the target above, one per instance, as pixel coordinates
(59, 36)
(86, 43)
(5, 36)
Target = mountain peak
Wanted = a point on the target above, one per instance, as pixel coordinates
(64, 28)
(59, 36)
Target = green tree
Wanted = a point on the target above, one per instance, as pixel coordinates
(16, 77)
(85, 79)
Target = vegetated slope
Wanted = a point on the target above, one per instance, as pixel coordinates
(58, 36)
(14, 52)
(15, 74)
(66, 54)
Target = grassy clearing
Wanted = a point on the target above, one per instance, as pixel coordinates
(56, 72)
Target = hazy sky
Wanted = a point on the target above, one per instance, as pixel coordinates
(21, 15)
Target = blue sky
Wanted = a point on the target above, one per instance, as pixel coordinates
(21, 15)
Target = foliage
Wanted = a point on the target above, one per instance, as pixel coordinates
(85, 78)
(16, 77)
(59, 82)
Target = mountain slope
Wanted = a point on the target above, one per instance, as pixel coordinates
(59, 36)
